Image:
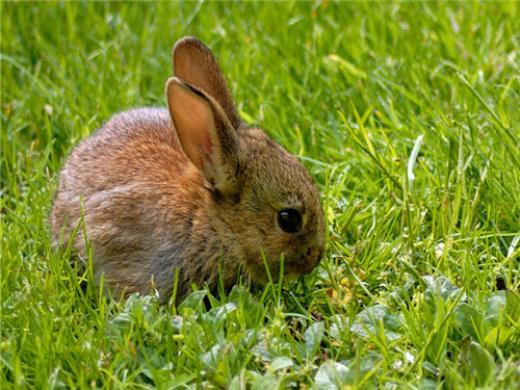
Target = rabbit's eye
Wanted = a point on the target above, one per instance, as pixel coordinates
(290, 220)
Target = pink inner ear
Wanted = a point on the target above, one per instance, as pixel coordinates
(193, 121)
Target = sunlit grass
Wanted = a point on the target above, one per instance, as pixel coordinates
(406, 115)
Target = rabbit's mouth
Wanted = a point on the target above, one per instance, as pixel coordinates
(294, 266)
(305, 263)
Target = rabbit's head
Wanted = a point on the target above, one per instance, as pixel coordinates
(262, 200)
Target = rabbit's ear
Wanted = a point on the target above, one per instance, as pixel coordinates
(194, 63)
(205, 133)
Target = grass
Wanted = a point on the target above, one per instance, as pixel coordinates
(405, 113)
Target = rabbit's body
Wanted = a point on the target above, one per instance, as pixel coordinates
(142, 242)
(153, 203)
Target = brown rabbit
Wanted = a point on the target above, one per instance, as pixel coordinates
(192, 188)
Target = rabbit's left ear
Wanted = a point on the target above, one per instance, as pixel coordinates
(194, 64)
(205, 133)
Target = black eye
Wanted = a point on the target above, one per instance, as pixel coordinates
(290, 220)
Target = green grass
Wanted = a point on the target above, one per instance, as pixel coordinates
(419, 287)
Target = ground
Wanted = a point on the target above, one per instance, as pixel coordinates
(406, 114)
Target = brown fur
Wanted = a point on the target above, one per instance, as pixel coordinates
(150, 205)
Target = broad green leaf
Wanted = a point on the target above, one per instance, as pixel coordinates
(193, 301)
(313, 336)
(267, 381)
(281, 362)
(496, 303)
(369, 321)
(219, 313)
(476, 361)
(439, 286)
(331, 375)
(497, 336)
(513, 305)
(468, 320)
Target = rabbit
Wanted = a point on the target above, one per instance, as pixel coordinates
(188, 195)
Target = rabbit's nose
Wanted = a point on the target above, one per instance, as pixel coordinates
(314, 255)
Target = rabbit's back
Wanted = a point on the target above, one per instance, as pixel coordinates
(140, 144)
(124, 182)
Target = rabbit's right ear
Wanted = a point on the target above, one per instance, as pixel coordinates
(205, 133)
(194, 63)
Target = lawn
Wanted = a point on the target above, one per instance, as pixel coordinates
(406, 114)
